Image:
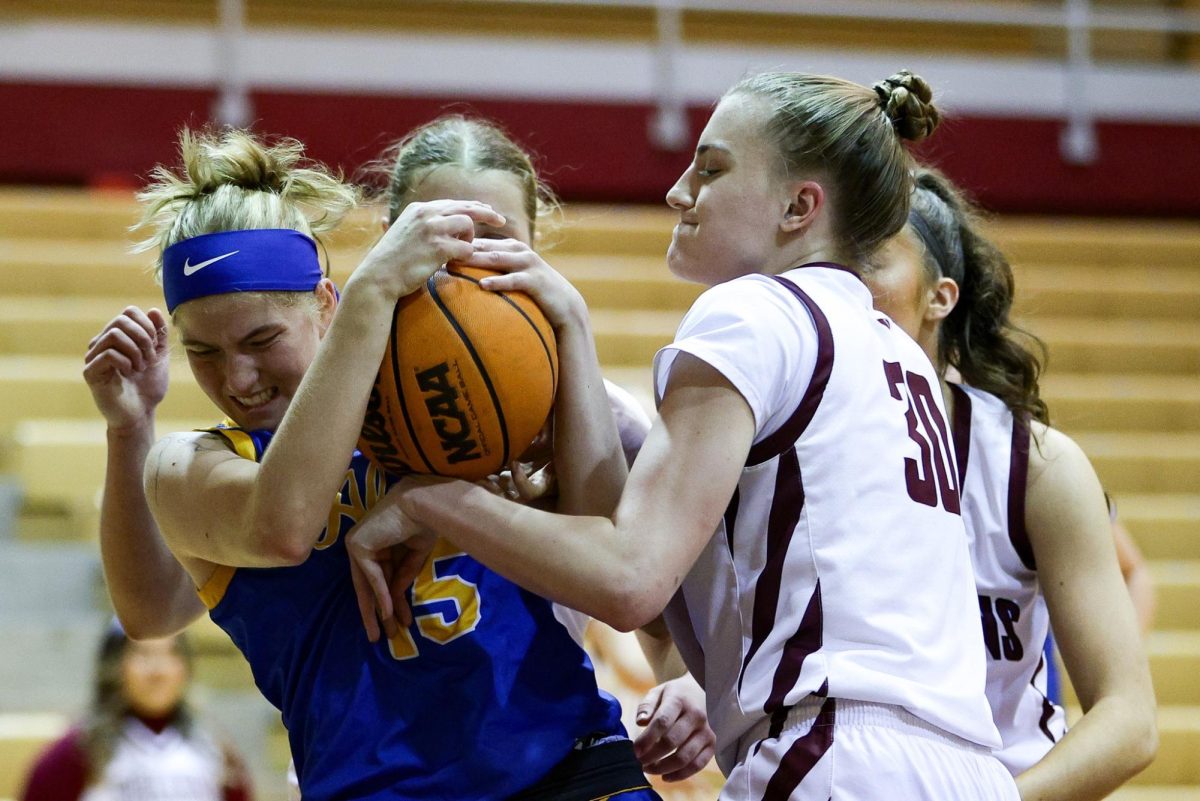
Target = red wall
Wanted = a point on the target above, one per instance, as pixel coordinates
(61, 133)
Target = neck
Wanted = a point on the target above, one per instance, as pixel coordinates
(155, 723)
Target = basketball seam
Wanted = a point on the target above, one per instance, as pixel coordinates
(532, 324)
(483, 373)
(398, 380)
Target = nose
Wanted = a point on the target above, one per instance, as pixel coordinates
(680, 195)
(241, 374)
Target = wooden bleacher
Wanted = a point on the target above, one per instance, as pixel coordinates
(1115, 301)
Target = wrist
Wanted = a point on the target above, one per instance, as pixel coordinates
(383, 278)
(575, 317)
(137, 429)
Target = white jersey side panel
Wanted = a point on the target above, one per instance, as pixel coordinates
(841, 567)
(993, 454)
(160, 767)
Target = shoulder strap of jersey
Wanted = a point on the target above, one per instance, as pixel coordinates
(239, 439)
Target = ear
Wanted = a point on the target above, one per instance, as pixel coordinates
(327, 301)
(943, 297)
(805, 201)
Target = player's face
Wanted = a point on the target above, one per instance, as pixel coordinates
(249, 353)
(900, 283)
(731, 198)
(153, 677)
(500, 189)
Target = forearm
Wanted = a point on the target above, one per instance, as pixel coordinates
(660, 651)
(588, 457)
(582, 562)
(150, 591)
(302, 469)
(1114, 741)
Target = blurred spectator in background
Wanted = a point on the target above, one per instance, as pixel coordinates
(139, 740)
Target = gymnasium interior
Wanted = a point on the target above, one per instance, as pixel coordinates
(1075, 124)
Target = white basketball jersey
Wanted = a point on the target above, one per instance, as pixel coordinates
(993, 456)
(160, 767)
(841, 566)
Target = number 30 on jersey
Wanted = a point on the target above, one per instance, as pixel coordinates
(934, 477)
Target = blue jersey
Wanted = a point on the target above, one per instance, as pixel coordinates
(478, 699)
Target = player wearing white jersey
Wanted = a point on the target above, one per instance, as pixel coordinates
(1034, 512)
(851, 457)
(992, 445)
(835, 631)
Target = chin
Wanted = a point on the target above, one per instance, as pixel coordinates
(681, 267)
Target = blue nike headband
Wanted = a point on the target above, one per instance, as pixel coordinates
(272, 259)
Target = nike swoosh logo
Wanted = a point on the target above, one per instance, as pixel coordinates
(191, 269)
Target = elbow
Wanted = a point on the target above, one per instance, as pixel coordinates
(632, 605)
(279, 546)
(1145, 748)
(136, 628)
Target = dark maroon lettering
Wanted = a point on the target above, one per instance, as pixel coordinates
(996, 614)
(933, 442)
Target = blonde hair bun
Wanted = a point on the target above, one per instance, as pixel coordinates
(907, 101)
(230, 179)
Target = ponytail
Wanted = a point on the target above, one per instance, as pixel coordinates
(978, 338)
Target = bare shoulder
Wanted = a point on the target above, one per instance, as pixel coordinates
(1063, 492)
(1054, 457)
(185, 459)
(180, 452)
(192, 481)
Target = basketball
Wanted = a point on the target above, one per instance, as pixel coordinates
(467, 380)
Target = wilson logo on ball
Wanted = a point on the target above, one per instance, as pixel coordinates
(375, 434)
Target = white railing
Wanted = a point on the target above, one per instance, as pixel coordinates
(233, 105)
(1076, 19)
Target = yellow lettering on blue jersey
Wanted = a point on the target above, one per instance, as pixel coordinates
(354, 507)
(431, 586)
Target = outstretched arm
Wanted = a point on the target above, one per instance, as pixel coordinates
(126, 371)
(1095, 627)
(621, 570)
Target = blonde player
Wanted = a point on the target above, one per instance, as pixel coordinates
(250, 351)
(796, 495)
(1036, 517)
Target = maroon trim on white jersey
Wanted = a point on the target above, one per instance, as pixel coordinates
(786, 506)
(803, 754)
(790, 431)
(1018, 472)
(960, 432)
(1048, 707)
(807, 640)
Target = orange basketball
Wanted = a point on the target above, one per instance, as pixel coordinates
(467, 380)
